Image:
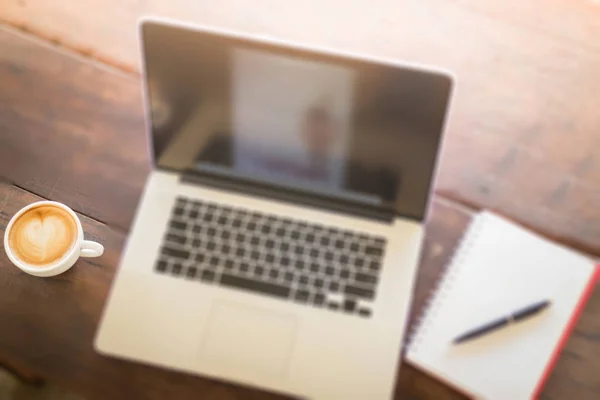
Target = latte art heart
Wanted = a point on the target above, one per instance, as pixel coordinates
(43, 235)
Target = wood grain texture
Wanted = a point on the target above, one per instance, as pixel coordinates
(520, 140)
(522, 133)
(72, 130)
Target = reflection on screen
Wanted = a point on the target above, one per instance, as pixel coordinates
(291, 118)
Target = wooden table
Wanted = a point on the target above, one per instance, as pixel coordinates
(521, 140)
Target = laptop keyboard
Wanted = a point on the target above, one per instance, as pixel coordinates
(303, 262)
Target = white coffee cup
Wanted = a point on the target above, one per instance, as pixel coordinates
(81, 247)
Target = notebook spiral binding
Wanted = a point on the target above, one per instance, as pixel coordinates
(444, 285)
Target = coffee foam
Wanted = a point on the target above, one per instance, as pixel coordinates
(43, 235)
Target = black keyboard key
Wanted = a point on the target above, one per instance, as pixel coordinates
(344, 259)
(314, 253)
(349, 305)
(196, 242)
(255, 286)
(328, 255)
(319, 283)
(225, 235)
(339, 243)
(178, 225)
(200, 258)
(178, 211)
(191, 272)
(285, 261)
(269, 258)
(365, 278)
(193, 214)
(360, 292)
(299, 265)
(299, 250)
(374, 265)
(319, 299)
(197, 229)
(244, 267)
(325, 241)
(354, 246)
(225, 249)
(295, 235)
(284, 247)
(274, 273)
(183, 254)
(255, 255)
(270, 243)
(236, 223)
(255, 240)
(207, 275)
(265, 229)
(208, 217)
(214, 261)
(344, 274)
(334, 286)
(329, 270)
(310, 237)
(303, 280)
(359, 262)
(240, 237)
(364, 312)
(302, 296)
(258, 270)
(171, 237)
(161, 266)
(374, 251)
(240, 252)
(314, 267)
(288, 276)
(211, 246)
(229, 263)
(280, 231)
(176, 270)
(251, 226)
(333, 306)
(222, 220)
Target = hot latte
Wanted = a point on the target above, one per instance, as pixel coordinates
(43, 235)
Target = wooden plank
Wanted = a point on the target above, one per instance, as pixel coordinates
(71, 130)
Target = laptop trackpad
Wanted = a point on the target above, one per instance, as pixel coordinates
(248, 339)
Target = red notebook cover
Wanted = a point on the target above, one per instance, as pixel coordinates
(585, 295)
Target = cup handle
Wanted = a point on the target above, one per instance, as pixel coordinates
(91, 249)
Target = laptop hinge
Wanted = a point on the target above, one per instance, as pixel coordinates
(288, 195)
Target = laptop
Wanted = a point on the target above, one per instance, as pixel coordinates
(277, 239)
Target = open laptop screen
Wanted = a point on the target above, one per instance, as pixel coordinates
(316, 122)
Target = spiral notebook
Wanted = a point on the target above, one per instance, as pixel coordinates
(498, 268)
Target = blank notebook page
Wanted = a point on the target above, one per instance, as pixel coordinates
(499, 268)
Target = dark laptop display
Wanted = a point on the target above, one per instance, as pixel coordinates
(319, 124)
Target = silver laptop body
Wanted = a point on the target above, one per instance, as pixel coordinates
(277, 239)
